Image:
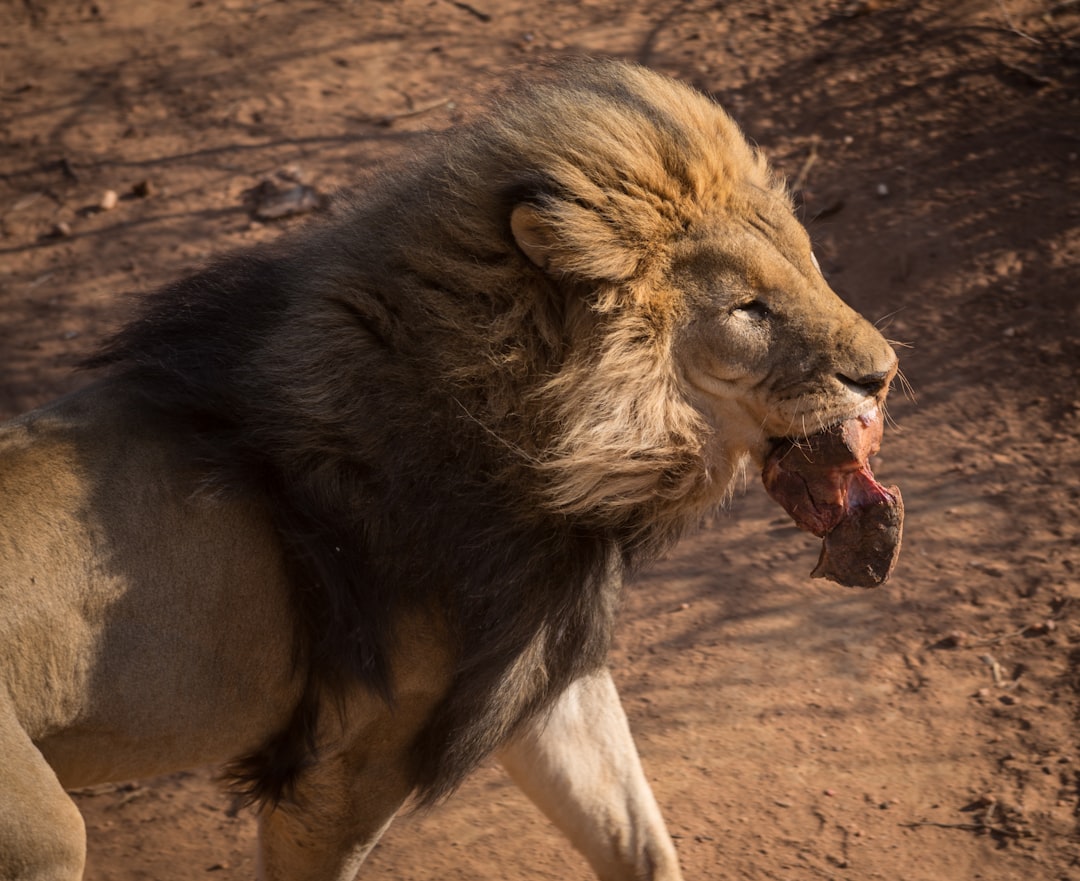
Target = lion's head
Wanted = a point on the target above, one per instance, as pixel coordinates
(695, 321)
(526, 358)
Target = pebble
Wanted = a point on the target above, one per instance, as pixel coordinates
(954, 639)
(883, 190)
(108, 200)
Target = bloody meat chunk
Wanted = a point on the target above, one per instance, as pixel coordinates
(825, 483)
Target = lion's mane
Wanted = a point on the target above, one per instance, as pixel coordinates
(438, 424)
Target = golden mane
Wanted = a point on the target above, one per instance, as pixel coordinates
(618, 163)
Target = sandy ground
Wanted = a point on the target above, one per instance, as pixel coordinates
(793, 730)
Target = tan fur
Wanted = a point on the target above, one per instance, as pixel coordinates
(350, 512)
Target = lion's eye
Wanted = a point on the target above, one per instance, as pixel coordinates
(754, 309)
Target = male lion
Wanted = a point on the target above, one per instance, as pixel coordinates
(349, 512)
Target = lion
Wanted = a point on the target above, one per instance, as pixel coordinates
(351, 511)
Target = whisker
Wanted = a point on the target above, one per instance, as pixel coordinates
(905, 386)
(894, 426)
(790, 433)
(514, 448)
(881, 321)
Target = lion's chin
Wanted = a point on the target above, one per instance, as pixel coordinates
(825, 483)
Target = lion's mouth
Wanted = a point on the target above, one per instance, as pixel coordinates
(825, 483)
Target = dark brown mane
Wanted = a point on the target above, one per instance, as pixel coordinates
(370, 541)
(399, 385)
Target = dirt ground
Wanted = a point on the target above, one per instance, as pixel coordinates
(793, 729)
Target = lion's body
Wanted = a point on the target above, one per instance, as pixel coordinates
(350, 512)
(100, 511)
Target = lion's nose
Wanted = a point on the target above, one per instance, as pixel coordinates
(867, 383)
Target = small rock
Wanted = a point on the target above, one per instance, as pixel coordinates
(142, 189)
(953, 639)
(269, 201)
(883, 190)
(60, 230)
(108, 200)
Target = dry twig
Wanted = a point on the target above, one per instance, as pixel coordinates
(389, 118)
(800, 178)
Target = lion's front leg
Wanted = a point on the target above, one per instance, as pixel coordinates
(580, 766)
(341, 804)
(326, 830)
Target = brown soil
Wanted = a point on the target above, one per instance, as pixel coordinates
(793, 729)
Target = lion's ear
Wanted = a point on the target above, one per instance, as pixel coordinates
(533, 235)
(574, 240)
